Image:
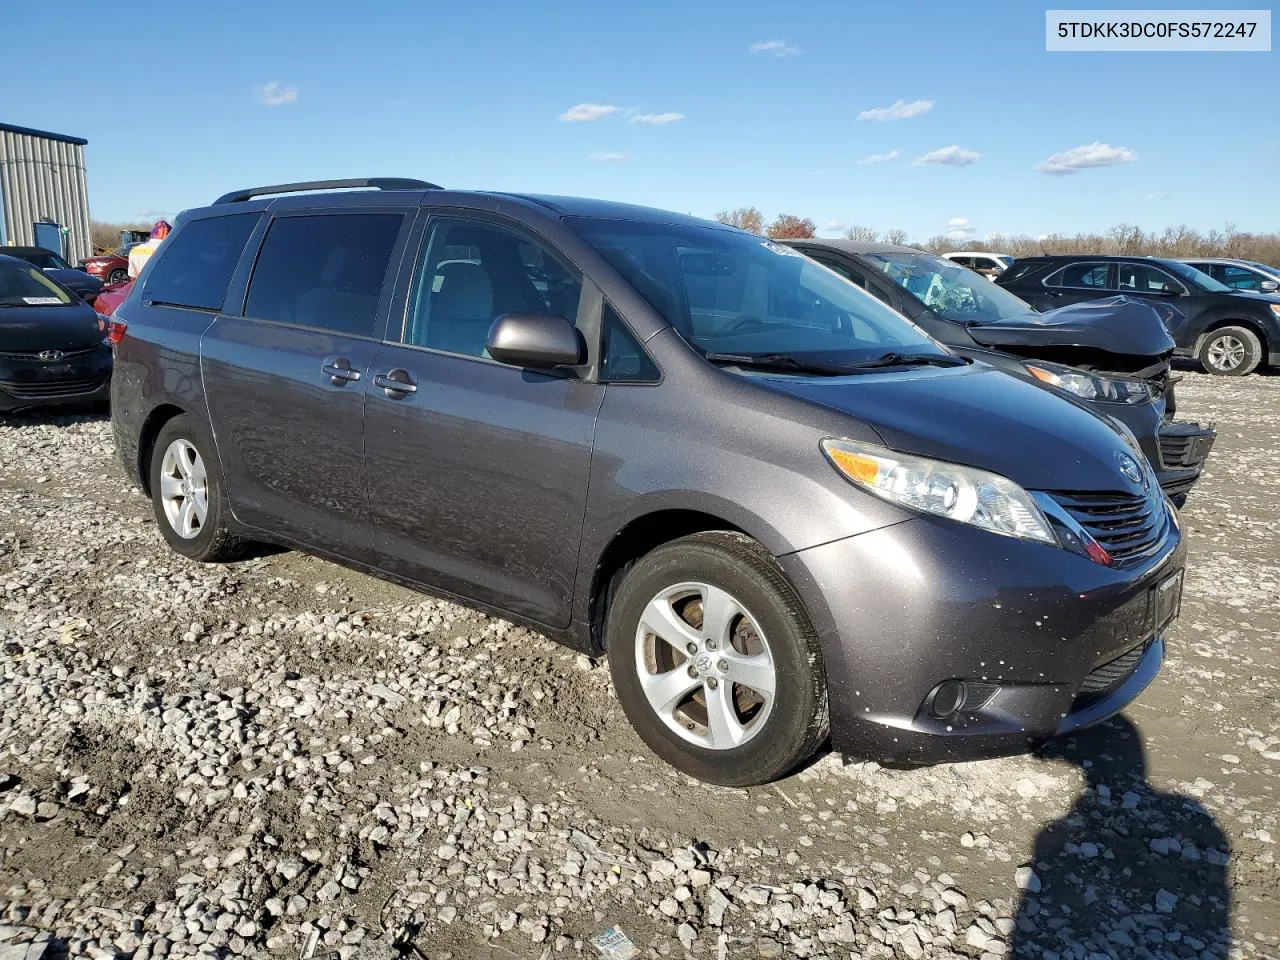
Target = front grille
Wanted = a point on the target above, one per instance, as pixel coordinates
(1130, 528)
(1184, 451)
(1105, 677)
(44, 389)
(35, 354)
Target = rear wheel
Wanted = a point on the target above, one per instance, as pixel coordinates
(186, 494)
(1230, 351)
(119, 275)
(715, 661)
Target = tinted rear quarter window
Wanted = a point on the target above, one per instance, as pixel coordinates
(325, 271)
(194, 266)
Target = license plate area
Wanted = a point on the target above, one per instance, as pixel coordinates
(1167, 599)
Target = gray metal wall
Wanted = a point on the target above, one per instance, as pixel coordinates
(41, 178)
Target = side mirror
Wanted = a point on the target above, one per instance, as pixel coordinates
(536, 340)
(1269, 286)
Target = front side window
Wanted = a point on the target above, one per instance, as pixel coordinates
(1140, 278)
(324, 271)
(1237, 278)
(730, 292)
(22, 285)
(1088, 275)
(474, 272)
(622, 359)
(953, 292)
(1193, 277)
(194, 266)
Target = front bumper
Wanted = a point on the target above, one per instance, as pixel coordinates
(81, 377)
(1053, 642)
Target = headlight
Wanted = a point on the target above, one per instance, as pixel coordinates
(1275, 308)
(963, 494)
(1090, 386)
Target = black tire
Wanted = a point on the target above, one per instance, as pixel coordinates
(797, 722)
(213, 541)
(1219, 347)
(119, 275)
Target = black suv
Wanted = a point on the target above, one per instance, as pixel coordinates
(1111, 356)
(778, 506)
(1229, 331)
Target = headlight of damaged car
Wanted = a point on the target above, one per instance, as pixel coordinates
(963, 494)
(1090, 386)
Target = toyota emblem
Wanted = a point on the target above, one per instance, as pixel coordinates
(1129, 467)
(50, 355)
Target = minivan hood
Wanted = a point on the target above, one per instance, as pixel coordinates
(65, 327)
(1115, 325)
(979, 417)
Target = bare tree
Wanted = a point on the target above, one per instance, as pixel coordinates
(744, 218)
(895, 236)
(865, 234)
(788, 226)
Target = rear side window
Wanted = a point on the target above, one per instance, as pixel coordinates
(194, 266)
(1089, 275)
(324, 271)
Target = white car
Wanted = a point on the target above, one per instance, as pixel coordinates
(1239, 274)
(990, 265)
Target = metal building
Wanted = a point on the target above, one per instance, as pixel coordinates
(44, 200)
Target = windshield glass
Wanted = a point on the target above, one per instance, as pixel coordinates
(953, 292)
(731, 292)
(45, 260)
(22, 285)
(1195, 277)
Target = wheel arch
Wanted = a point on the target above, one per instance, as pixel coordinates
(635, 539)
(151, 428)
(1253, 326)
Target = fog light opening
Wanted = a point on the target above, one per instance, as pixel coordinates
(949, 698)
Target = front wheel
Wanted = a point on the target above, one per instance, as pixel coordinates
(118, 276)
(715, 661)
(1231, 351)
(187, 496)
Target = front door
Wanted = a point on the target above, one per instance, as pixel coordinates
(286, 381)
(477, 471)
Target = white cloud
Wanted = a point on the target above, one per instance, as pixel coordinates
(836, 226)
(277, 94)
(1154, 197)
(656, 119)
(586, 112)
(900, 110)
(952, 156)
(958, 223)
(960, 228)
(1081, 158)
(606, 157)
(774, 48)
(882, 157)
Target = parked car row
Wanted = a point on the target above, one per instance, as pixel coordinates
(792, 502)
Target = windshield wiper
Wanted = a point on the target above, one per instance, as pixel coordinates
(780, 361)
(913, 359)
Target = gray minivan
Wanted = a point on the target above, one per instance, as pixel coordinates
(782, 510)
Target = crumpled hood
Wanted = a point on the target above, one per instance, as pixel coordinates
(1117, 325)
(980, 417)
(31, 329)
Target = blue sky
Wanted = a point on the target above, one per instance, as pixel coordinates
(769, 96)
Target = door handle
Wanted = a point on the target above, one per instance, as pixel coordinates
(397, 384)
(339, 371)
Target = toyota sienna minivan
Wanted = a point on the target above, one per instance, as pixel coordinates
(785, 513)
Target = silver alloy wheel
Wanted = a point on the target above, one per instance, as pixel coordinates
(1226, 353)
(705, 666)
(184, 489)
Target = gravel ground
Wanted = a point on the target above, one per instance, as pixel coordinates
(284, 757)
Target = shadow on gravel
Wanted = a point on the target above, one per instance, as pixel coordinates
(1130, 870)
(55, 417)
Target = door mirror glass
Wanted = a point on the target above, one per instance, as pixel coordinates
(536, 340)
(1269, 286)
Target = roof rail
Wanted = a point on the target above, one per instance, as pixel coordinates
(378, 183)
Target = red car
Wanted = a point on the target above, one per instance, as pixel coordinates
(112, 296)
(110, 267)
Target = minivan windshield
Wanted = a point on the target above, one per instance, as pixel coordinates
(22, 285)
(951, 291)
(1197, 278)
(733, 293)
